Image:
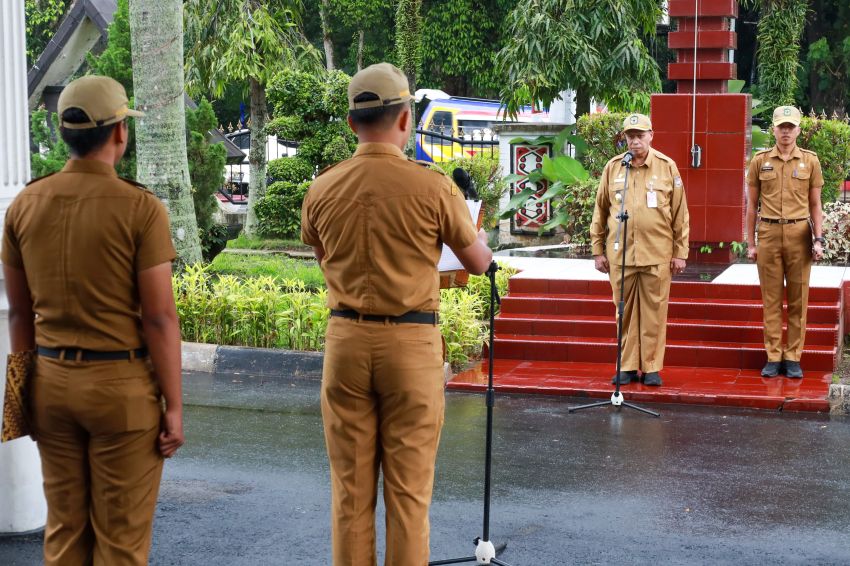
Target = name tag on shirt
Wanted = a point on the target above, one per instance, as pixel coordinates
(651, 199)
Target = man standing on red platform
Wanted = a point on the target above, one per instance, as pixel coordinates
(784, 190)
(657, 245)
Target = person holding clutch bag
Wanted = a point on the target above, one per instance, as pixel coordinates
(87, 261)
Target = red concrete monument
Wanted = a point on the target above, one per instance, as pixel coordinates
(702, 113)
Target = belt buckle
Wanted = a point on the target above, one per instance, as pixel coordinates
(784, 221)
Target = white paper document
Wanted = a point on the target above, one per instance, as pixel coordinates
(448, 260)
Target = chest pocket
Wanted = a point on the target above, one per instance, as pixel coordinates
(615, 191)
(768, 182)
(800, 183)
(663, 190)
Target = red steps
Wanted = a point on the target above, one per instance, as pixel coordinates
(709, 325)
(559, 336)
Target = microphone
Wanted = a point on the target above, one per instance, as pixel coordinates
(465, 183)
(627, 158)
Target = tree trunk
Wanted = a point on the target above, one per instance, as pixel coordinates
(582, 101)
(156, 34)
(257, 154)
(326, 35)
(360, 41)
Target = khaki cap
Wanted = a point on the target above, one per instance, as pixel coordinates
(786, 115)
(382, 79)
(103, 99)
(637, 122)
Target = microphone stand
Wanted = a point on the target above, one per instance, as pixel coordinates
(485, 550)
(617, 397)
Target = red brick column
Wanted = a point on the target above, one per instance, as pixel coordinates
(716, 190)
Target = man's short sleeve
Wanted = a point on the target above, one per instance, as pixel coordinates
(753, 172)
(309, 234)
(11, 251)
(456, 228)
(816, 179)
(154, 245)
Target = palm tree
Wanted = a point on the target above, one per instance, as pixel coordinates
(245, 41)
(156, 33)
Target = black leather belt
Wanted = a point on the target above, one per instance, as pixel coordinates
(80, 355)
(413, 317)
(783, 220)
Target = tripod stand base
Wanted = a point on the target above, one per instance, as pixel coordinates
(616, 401)
(485, 553)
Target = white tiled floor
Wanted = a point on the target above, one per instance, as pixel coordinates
(738, 274)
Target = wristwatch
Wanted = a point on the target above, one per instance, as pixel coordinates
(820, 239)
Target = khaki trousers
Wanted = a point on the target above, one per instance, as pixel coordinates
(96, 425)
(382, 407)
(647, 292)
(784, 266)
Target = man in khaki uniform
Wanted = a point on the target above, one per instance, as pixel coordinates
(657, 245)
(376, 223)
(87, 262)
(784, 191)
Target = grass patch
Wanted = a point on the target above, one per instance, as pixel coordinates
(243, 242)
(280, 267)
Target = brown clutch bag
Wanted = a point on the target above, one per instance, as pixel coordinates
(19, 370)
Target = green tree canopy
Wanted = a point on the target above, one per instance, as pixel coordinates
(245, 41)
(591, 46)
(780, 29)
(460, 41)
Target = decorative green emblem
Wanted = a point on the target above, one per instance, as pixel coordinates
(787, 111)
(633, 120)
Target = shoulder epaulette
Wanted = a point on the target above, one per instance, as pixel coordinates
(809, 151)
(326, 169)
(40, 178)
(431, 166)
(763, 151)
(136, 184)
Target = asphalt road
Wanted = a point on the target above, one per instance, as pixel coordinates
(696, 486)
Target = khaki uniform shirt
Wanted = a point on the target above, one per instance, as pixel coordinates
(784, 185)
(656, 234)
(82, 236)
(382, 220)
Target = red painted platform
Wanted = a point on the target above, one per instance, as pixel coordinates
(557, 336)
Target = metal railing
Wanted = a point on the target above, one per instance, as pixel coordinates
(446, 144)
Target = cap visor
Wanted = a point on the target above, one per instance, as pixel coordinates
(135, 113)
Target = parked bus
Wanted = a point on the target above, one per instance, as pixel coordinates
(455, 127)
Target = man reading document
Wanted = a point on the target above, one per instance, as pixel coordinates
(377, 223)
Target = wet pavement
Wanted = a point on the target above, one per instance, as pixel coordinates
(696, 486)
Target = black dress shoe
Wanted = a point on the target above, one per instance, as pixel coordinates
(626, 377)
(771, 369)
(652, 378)
(793, 369)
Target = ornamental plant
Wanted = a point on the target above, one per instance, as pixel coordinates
(836, 232)
(486, 174)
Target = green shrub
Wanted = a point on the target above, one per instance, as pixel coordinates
(577, 202)
(260, 312)
(836, 232)
(287, 127)
(336, 150)
(602, 133)
(830, 139)
(460, 323)
(312, 147)
(279, 212)
(293, 169)
(486, 173)
(311, 109)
